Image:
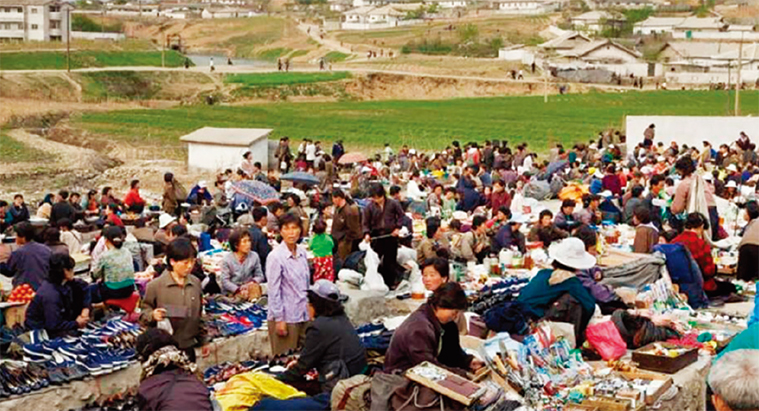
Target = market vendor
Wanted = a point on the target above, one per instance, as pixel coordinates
(475, 244)
(61, 305)
(241, 272)
(114, 269)
(591, 214)
(693, 185)
(346, 225)
(29, 263)
(433, 241)
(646, 233)
(606, 299)
(566, 219)
(545, 230)
(382, 222)
(748, 250)
(436, 272)
(499, 197)
(133, 201)
(557, 293)
(693, 239)
(168, 379)
(177, 296)
(509, 235)
(331, 344)
(288, 278)
(430, 334)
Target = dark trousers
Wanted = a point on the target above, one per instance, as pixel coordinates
(714, 223)
(387, 249)
(99, 292)
(315, 403)
(190, 352)
(748, 261)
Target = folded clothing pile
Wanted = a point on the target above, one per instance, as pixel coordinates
(224, 371)
(375, 337)
(100, 349)
(506, 290)
(225, 318)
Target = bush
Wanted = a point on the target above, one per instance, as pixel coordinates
(82, 22)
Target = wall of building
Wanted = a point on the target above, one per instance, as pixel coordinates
(97, 35)
(690, 130)
(747, 76)
(36, 23)
(610, 53)
(216, 157)
(717, 35)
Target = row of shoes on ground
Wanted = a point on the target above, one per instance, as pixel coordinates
(18, 378)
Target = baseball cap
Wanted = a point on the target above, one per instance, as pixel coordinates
(328, 290)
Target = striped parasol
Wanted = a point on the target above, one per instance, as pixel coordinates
(350, 158)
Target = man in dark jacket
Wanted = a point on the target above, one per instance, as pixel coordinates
(259, 240)
(383, 219)
(30, 263)
(62, 209)
(346, 225)
(18, 210)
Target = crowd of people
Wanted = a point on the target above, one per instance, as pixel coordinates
(475, 200)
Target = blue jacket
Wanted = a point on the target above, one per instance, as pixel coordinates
(28, 265)
(538, 295)
(684, 271)
(506, 237)
(55, 307)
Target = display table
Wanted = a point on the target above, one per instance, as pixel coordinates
(77, 394)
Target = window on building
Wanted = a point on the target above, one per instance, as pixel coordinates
(34, 26)
(55, 24)
(34, 10)
(55, 9)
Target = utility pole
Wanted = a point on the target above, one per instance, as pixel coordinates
(68, 38)
(545, 85)
(738, 80)
(163, 48)
(729, 66)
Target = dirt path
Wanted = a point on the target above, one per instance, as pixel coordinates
(62, 156)
(313, 31)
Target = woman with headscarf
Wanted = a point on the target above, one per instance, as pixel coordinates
(169, 380)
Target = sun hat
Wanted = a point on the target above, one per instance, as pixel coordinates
(661, 159)
(732, 168)
(328, 290)
(606, 194)
(731, 184)
(571, 252)
(202, 184)
(708, 177)
(165, 219)
(598, 174)
(459, 215)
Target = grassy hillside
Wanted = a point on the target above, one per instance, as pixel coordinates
(13, 151)
(422, 124)
(47, 60)
(276, 79)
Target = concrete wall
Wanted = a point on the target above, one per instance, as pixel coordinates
(36, 23)
(717, 35)
(747, 76)
(610, 53)
(216, 157)
(97, 35)
(637, 69)
(690, 130)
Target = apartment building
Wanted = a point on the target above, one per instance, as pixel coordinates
(33, 20)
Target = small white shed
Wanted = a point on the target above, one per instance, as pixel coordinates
(212, 148)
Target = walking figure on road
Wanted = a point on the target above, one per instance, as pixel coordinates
(210, 64)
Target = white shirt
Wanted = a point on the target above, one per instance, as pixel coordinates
(310, 152)
(413, 191)
(528, 163)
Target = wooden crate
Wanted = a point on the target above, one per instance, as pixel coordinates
(660, 363)
(433, 385)
(650, 399)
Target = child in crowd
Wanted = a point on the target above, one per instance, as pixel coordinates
(321, 245)
(646, 234)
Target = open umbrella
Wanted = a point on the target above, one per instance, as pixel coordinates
(350, 158)
(248, 191)
(301, 177)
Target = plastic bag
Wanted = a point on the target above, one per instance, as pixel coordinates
(244, 390)
(351, 277)
(373, 281)
(607, 341)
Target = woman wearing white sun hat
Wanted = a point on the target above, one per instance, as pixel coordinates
(555, 288)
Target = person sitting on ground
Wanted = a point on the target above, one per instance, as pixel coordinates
(606, 299)
(693, 239)
(635, 201)
(646, 233)
(51, 236)
(566, 219)
(70, 237)
(436, 272)
(168, 380)
(433, 241)
(734, 380)
(61, 304)
(509, 236)
(29, 263)
(199, 195)
(241, 271)
(499, 197)
(91, 204)
(545, 230)
(331, 344)
(114, 269)
(591, 214)
(134, 202)
(554, 292)
(179, 291)
(611, 181)
(475, 244)
(748, 250)
(18, 211)
(435, 198)
(112, 215)
(430, 334)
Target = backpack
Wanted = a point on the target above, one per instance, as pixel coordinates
(352, 394)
